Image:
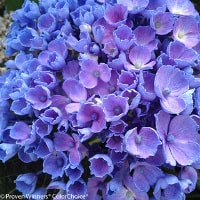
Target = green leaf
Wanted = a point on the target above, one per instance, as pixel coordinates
(12, 5)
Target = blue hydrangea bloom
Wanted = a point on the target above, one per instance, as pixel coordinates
(101, 98)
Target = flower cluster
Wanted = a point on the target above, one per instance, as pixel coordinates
(106, 95)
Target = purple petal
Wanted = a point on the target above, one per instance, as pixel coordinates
(71, 70)
(181, 7)
(134, 6)
(20, 131)
(72, 107)
(185, 153)
(162, 123)
(105, 72)
(183, 128)
(173, 105)
(146, 85)
(145, 36)
(75, 90)
(44, 148)
(75, 157)
(116, 15)
(59, 46)
(7, 151)
(88, 80)
(101, 165)
(63, 142)
(139, 56)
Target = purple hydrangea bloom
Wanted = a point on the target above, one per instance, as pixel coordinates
(52, 59)
(170, 84)
(20, 132)
(26, 183)
(162, 22)
(103, 98)
(91, 72)
(115, 142)
(181, 7)
(47, 22)
(145, 175)
(94, 184)
(76, 93)
(118, 126)
(140, 58)
(134, 6)
(74, 172)
(51, 115)
(188, 177)
(76, 187)
(39, 97)
(92, 114)
(110, 49)
(124, 189)
(55, 163)
(7, 151)
(142, 144)
(115, 107)
(116, 15)
(181, 55)
(42, 128)
(145, 36)
(64, 142)
(127, 80)
(44, 148)
(123, 37)
(186, 30)
(168, 187)
(21, 107)
(100, 165)
(179, 138)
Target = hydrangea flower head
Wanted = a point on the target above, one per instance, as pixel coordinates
(101, 98)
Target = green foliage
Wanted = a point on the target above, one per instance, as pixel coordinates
(12, 5)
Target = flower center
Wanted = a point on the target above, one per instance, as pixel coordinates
(117, 110)
(157, 25)
(129, 194)
(138, 139)
(43, 98)
(166, 92)
(59, 162)
(94, 116)
(96, 74)
(170, 138)
(181, 35)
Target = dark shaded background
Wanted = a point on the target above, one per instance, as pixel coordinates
(13, 167)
